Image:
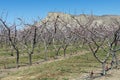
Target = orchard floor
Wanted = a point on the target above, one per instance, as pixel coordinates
(111, 75)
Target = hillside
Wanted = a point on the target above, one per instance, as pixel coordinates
(106, 20)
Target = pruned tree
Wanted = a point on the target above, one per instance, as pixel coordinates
(13, 38)
(28, 38)
(96, 40)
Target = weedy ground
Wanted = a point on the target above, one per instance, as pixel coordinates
(64, 68)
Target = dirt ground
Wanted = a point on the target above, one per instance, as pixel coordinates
(111, 75)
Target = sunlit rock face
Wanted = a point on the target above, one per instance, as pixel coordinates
(109, 21)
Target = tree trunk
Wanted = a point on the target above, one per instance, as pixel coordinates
(65, 48)
(30, 59)
(17, 59)
(57, 53)
(103, 69)
(116, 60)
(45, 54)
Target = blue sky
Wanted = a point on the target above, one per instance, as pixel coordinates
(31, 9)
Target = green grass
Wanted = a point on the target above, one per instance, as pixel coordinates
(10, 61)
(59, 70)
